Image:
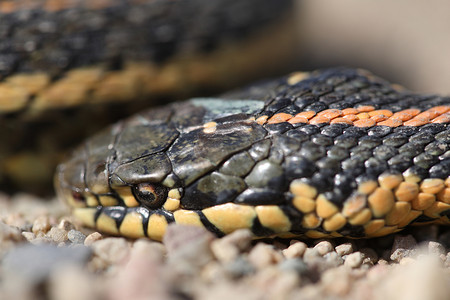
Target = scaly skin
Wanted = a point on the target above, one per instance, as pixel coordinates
(336, 152)
(68, 68)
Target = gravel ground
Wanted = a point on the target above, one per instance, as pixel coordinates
(46, 255)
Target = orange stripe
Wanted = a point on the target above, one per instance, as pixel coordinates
(364, 116)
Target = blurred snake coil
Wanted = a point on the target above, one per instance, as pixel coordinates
(70, 67)
(330, 153)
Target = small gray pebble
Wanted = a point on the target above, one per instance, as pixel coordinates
(333, 259)
(76, 236)
(294, 264)
(239, 267)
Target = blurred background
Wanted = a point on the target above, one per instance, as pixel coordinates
(404, 41)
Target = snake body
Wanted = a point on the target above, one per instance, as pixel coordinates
(70, 67)
(336, 152)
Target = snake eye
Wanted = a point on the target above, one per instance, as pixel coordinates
(150, 195)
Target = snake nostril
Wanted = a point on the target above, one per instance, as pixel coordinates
(99, 168)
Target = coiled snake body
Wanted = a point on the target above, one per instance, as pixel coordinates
(70, 67)
(336, 152)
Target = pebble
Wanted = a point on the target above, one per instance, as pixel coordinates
(225, 290)
(73, 282)
(333, 259)
(188, 248)
(10, 233)
(336, 281)
(9, 236)
(403, 246)
(41, 225)
(435, 248)
(193, 264)
(293, 264)
(93, 237)
(406, 261)
(19, 221)
(111, 250)
(354, 259)
(57, 235)
(296, 249)
(178, 236)
(229, 247)
(421, 279)
(273, 283)
(324, 247)
(142, 276)
(370, 256)
(28, 235)
(42, 240)
(344, 249)
(213, 272)
(311, 253)
(35, 263)
(66, 225)
(76, 236)
(447, 260)
(239, 267)
(155, 250)
(263, 255)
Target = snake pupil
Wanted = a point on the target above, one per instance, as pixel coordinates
(150, 195)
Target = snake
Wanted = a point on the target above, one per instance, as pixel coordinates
(335, 152)
(70, 67)
(330, 153)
